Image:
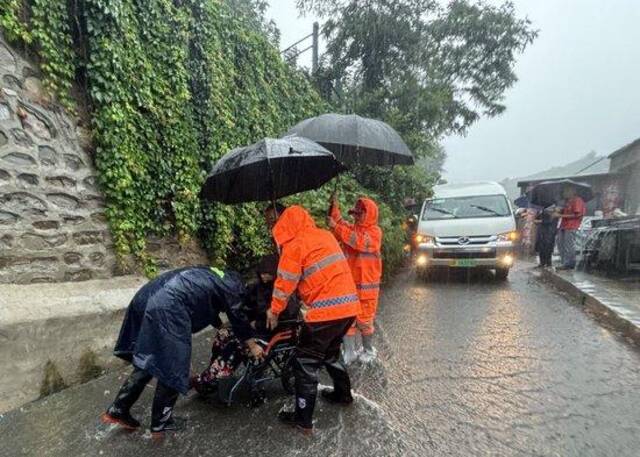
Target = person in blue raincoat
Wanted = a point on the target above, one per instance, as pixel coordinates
(156, 338)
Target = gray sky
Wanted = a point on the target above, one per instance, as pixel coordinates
(579, 89)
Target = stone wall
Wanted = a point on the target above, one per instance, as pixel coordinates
(52, 222)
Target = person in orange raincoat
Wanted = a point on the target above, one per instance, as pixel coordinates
(313, 265)
(362, 243)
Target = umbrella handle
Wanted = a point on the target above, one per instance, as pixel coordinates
(334, 194)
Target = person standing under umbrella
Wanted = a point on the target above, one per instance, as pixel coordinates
(547, 226)
(362, 244)
(312, 263)
(572, 213)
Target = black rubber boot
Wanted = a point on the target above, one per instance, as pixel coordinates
(173, 424)
(306, 380)
(124, 419)
(162, 419)
(336, 398)
(118, 412)
(341, 392)
(289, 418)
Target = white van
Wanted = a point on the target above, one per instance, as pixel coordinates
(468, 225)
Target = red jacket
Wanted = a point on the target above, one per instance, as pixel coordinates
(312, 263)
(362, 244)
(572, 214)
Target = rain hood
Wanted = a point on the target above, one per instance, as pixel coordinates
(293, 221)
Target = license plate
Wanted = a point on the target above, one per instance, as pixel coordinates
(463, 263)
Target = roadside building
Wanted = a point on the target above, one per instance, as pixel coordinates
(625, 162)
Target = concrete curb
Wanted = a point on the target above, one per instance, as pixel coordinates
(610, 316)
(54, 326)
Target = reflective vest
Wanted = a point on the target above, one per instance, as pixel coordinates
(362, 244)
(312, 263)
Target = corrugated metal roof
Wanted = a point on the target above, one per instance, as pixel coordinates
(577, 178)
(626, 148)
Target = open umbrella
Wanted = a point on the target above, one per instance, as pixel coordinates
(523, 202)
(356, 140)
(270, 169)
(549, 192)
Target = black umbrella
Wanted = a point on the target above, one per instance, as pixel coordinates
(548, 193)
(270, 169)
(356, 140)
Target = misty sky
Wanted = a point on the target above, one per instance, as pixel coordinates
(579, 89)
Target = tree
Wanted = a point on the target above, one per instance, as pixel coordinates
(427, 69)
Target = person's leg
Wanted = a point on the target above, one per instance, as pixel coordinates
(341, 392)
(309, 357)
(306, 385)
(365, 323)
(570, 246)
(119, 411)
(560, 243)
(162, 410)
(546, 246)
(545, 256)
(552, 244)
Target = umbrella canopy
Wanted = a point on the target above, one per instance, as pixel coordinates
(270, 169)
(548, 193)
(356, 140)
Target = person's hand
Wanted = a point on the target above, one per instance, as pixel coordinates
(272, 320)
(255, 349)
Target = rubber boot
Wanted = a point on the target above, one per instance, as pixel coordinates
(369, 353)
(341, 392)
(349, 351)
(306, 374)
(162, 419)
(118, 413)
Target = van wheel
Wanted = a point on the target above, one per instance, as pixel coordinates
(502, 274)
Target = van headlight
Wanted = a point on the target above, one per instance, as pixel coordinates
(422, 260)
(509, 236)
(424, 239)
(507, 260)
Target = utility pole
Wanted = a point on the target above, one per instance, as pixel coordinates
(314, 49)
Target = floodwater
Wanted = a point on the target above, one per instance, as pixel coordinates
(467, 367)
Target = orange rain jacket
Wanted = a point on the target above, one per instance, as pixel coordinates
(362, 244)
(312, 262)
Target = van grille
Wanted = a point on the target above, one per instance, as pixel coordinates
(491, 254)
(472, 240)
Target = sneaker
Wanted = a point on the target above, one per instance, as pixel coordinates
(289, 418)
(368, 355)
(174, 424)
(332, 397)
(124, 419)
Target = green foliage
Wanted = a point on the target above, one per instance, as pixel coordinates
(52, 380)
(12, 21)
(88, 366)
(172, 87)
(428, 68)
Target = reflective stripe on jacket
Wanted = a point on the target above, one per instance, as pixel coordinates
(362, 244)
(312, 263)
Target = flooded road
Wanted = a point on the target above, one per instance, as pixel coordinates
(467, 367)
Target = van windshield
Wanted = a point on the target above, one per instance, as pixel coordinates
(466, 207)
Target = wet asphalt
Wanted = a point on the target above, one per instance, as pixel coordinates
(468, 366)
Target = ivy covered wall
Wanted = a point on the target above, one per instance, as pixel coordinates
(166, 87)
